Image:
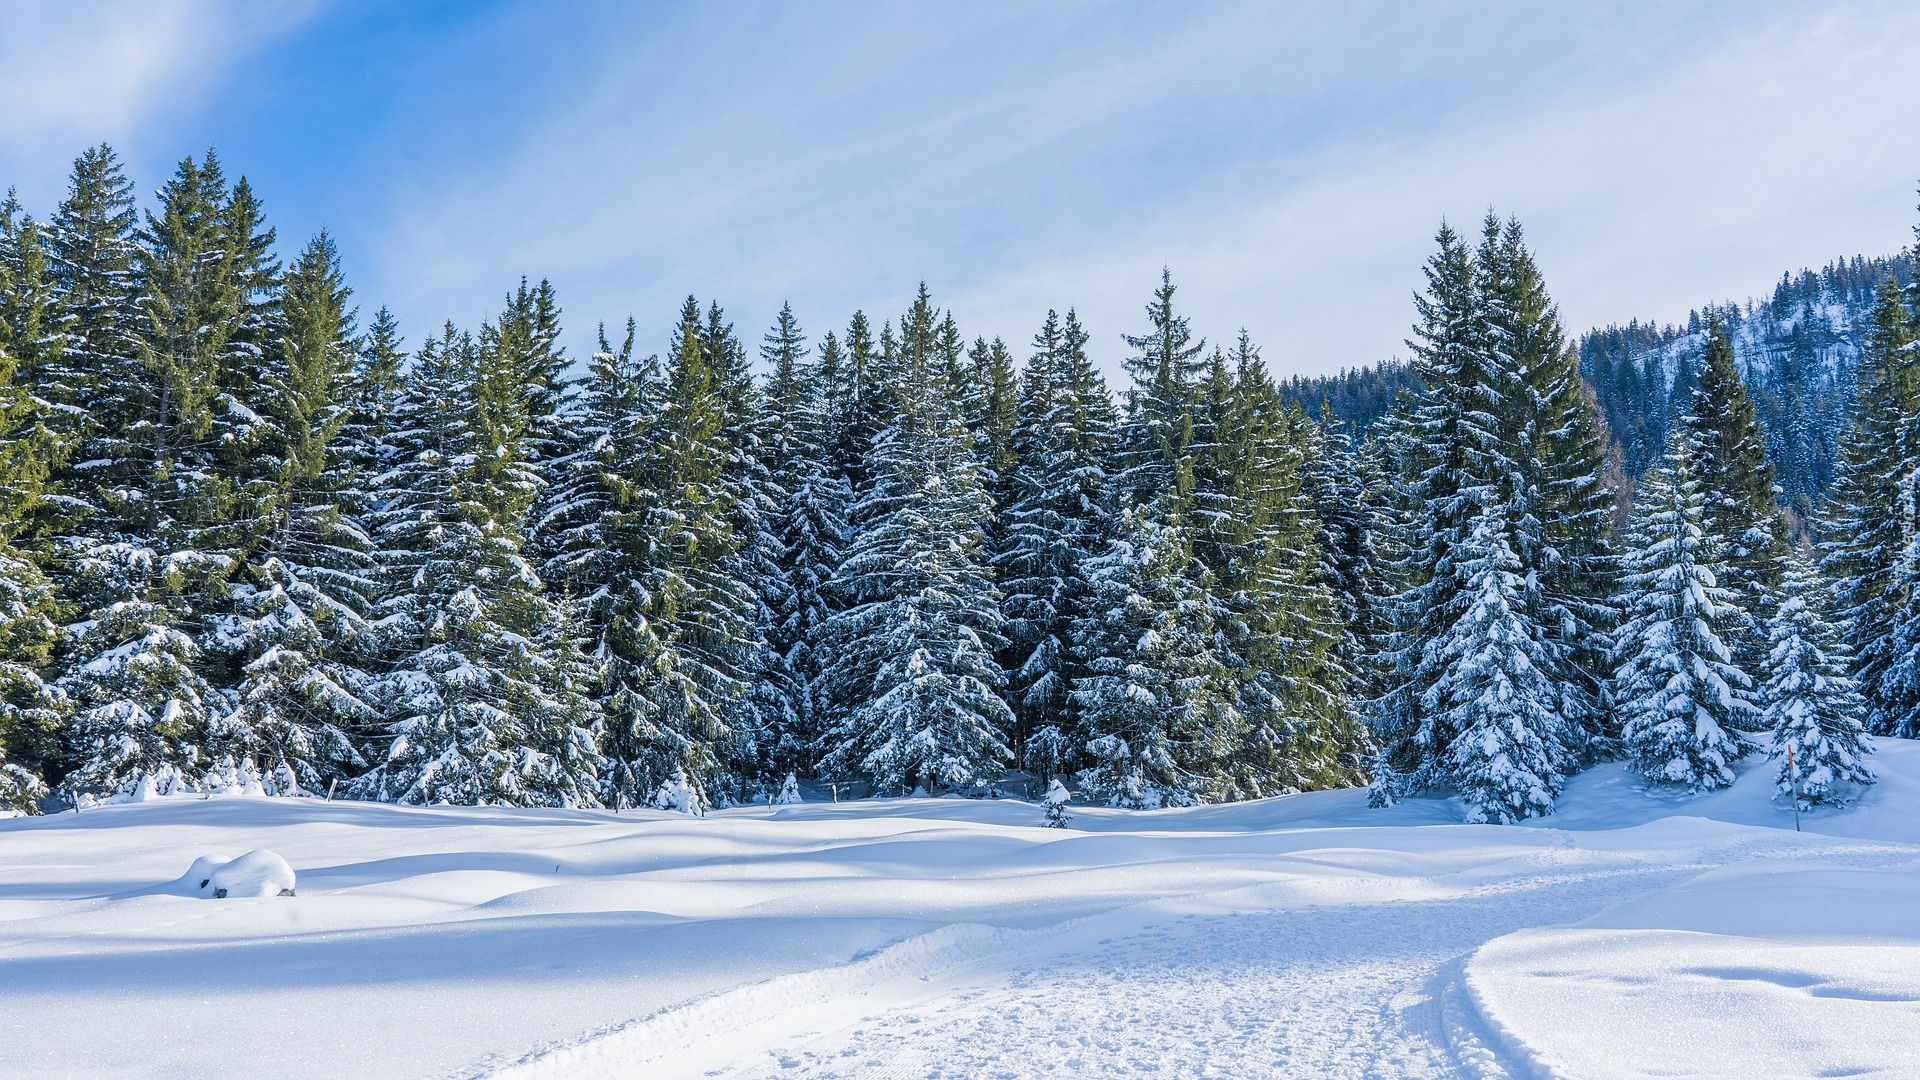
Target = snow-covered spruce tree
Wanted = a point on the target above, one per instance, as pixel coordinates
(754, 718)
(1736, 482)
(1565, 542)
(1868, 535)
(1432, 438)
(1813, 707)
(1682, 698)
(912, 678)
(31, 710)
(810, 530)
(161, 543)
(703, 542)
(1254, 530)
(90, 245)
(416, 505)
(1493, 699)
(477, 703)
(1153, 711)
(1501, 416)
(524, 634)
(1060, 515)
(297, 632)
(599, 539)
(644, 535)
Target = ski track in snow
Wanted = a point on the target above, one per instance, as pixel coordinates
(1330, 991)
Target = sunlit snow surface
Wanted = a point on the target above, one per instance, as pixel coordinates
(1633, 934)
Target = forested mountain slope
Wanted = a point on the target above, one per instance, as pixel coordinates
(1797, 348)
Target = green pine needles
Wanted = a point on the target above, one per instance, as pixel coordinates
(252, 543)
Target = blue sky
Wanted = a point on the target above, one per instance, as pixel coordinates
(1288, 162)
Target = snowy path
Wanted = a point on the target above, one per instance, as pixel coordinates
(1349, 991)
(1245, 982)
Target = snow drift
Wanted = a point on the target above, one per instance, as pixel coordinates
(1636, 932)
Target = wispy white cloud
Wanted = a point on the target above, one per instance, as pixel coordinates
(77, 72)
(1289, 164)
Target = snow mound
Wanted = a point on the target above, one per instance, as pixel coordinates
(257, 873)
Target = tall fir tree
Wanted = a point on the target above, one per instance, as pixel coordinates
(1683, 697)
(1060, 515)
(1736, 480)
(32, 710)
(162, 542)
(1871, 532)
(1569, 502)
(1814, 709)
(689, 638)
(1502, 417)
(809, 528)
(1276, 618)
(1433, 438)
(756, 717)
(478, 700)
(913, 682)
(298, 633)
(602, 546)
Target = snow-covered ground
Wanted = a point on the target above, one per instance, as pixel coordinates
(1632, 934)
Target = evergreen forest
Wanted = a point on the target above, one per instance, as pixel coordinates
(256, 538)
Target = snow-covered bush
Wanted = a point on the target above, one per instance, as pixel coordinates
(679, 796)
(789, 791)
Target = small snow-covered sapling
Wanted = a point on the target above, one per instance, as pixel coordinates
(1056, 799)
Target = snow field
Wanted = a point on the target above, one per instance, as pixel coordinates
(1632, 934)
